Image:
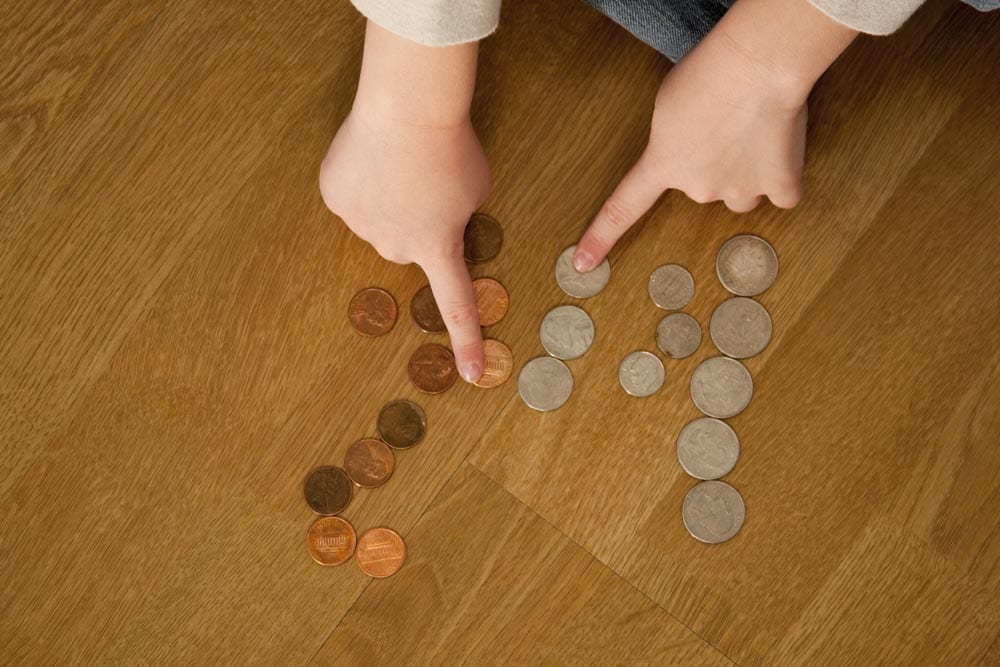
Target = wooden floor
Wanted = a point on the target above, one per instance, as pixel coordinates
(175, 355)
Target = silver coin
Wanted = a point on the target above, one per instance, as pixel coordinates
(567, 332)
(746, 265)
(545, 384)
(641, 373)
(671, 287)
(581, 285)
(678, 335)
(708, 448)
(740, 327)
(713, 512)
(721, 387)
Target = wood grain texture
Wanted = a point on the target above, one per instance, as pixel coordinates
(175, 356)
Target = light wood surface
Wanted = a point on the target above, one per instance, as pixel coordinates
(175, 356)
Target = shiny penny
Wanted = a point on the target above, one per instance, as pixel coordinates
(372, 311)
(483, 238)
(432, 368)
(678, 335)
(492, 300)
(721, 387)
(581, 285)
(328, 490)
(401, 424)
(498, 364)
(545, 384)
(567, 332)
(740, 327)
(713, 512)
(708, 448)
(641, 373)
(425, 313)
(671, 287)
(369, 463)
(331, 540)
(380, 553)
(746, 265)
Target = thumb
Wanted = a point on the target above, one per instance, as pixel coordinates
(452, 288)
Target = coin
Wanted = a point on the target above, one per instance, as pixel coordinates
(678, 335)
(369, 463)
(372, 311)
(401, 424)
(545, 384)
(327, 490)
(380, 553)
(432, 368)
(721, 387)
(581, 285)
(641, 373)
(746, 265)
(425, 313)
(671, 287)
(713, 512)
(708, 448)
(740, 327)
(492, 300)
(483, 238)
(331, 540)
(498, 364)
(567, 332)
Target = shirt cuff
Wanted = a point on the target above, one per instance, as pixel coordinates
(434, 22)
(875, 17)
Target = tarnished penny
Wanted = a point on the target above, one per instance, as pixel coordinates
(567, 332)
(380, 553)
(331, 540)
(641, 373)
(369, 463)
(746, 265)
(328, 490)
(708, 448)
(678, 335)
(545, 384)
(483, 238)
(713, 512)
(498, 364)
(492, 300)
(432, 368)
(721, 387)
(671, 287)
(425, 313)
(581, 285)
(372, 311)
(401, 424)
(740, 327)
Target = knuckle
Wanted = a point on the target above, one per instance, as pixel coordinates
(700, 195)
(459, 315)
(616, 214)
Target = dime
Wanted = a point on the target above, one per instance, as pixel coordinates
(401, 424)
(432, 368)
(483, 238)
(327, 490)
(746, 265)
(369, 463)
(492, 300)
(740, 327)
(567, 332)
(498, 363)
(708, 448)
(678, 335)
(425, 313)
(331, 540)
(671, 287)
(372, 311)
(545, 384)
(721, 387)
(380, 553)
(641, 373)
(581, 285)
(713, 512)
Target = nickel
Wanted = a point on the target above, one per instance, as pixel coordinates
(671, 287)
(372, 311)
(641, 373)
(740, 327)
(678, 335)
(746, 265)
(328, 490)
(708, 448)
(380, 553)
(713, 512)
(401, 424)
(545, 384)
(567, 332)
(581, 285)
(721, 387)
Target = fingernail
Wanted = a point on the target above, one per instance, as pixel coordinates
(583, 261)
(471, 370)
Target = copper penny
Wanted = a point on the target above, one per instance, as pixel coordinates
(380, 553)
(425, 313)
(483, 238)
(372, 311)
(369, 463)
(498, 364)
(401, 424)
(432, 368)
(328, 490)
(331, 540)
(492, 300)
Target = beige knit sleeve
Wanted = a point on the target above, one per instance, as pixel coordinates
(875, 17)
(434, 22)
